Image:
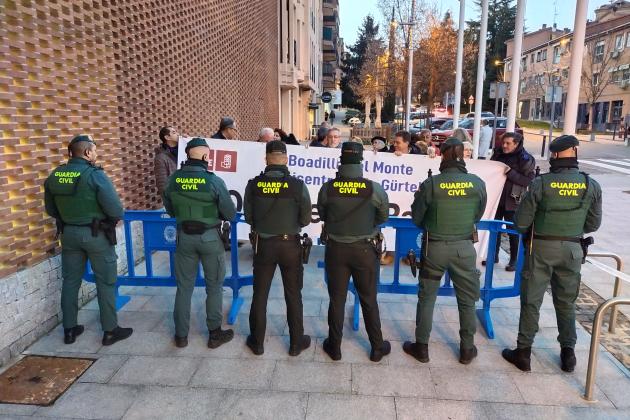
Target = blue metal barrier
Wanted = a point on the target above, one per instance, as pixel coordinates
(408, 236)
(160, 234)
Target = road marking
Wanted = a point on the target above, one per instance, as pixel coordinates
(603, 165)
(618, 162)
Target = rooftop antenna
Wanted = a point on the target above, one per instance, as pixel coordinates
(555, 13)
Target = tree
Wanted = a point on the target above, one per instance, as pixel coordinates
(371, 83)
(354, 61)
(595, 70)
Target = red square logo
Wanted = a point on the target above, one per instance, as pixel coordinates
(225, 161)
(211, 160)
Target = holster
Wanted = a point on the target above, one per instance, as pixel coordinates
(191, 227)
(109, 230)
(323, 237)
(307, 243)
(225, 233)
(378, 245)
(253, 239)
(424, 273)
(59, 224)
(413, 263)
(95, 225)
(585, 243)
(475, 235)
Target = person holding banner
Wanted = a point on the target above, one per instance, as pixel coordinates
(555, 213)
(351, 208)
(227, 131)
(446, 207)
(277, 206)
(198, 199)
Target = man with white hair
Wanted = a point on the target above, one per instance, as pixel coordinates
(265, 135)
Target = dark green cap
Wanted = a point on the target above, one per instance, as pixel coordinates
(82, 137)
(196, 142)
(276, 146)
(450, 142)
(563, 143)
(351, 148)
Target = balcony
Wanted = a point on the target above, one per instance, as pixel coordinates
(331, 21)
(331, 4)
(287, 76)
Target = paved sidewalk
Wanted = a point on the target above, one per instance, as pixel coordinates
(147, 377)
(599, 138)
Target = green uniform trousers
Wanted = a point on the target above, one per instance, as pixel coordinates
(191, 249)
(459, 258)
(558, 263)
(79, 246)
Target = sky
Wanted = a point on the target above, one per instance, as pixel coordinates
(352, 13)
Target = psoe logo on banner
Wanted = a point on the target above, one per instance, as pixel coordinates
(225, 161)
(211, 160)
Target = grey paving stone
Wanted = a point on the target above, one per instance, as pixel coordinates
(312, 377)
(457, 384)
(139, 321)
(418, 408)
(262, 405)
(397, 330)
(198, 347)
(276, 324)
(17, 409)
(149, 291)
(234, 374)
(164, 371)
(353, 350)
(501, 411)
(143, 343)
(392, 381)
(167, 403)
(166, 324)
(277, 348)
(92, 401)
(606, 368)
(489, 359)
(440, 355)
(159, 303)
(349, 407)
(617, 391)
(315, 326)
(136, 302)
(88, 342)
(565, 390)
(548, 338)
(103, 369)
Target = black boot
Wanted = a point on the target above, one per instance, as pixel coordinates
(521, 358)
(115, 335)
(377, 355)
(181, 342)
(567, 359)
(256, 349)
(418, 350)
(219, 337)
(70, 334)
(511, 266)
(466, 355)
(296, 349)
(334, 354)
(496, 261)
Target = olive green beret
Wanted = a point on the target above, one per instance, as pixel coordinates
(351, 147)
(276, 146)
(451, 142)
(563, 143)
(82, 137)
(196, 142)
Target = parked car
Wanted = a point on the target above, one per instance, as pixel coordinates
(354, 120)
(349, 114)
(434, 124)
(441, 112)
(441, 135)
(483, 115)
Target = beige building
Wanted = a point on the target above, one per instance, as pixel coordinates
(606, 69)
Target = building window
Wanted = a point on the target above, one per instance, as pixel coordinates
(565, 73)
(568, 46)
(523, 86)
(538, 56)
(510, 66)
(532, 60)
(598, 54)
(619, 42)
(615, 76)
(524, 64)
(628, 40)
(595, 79)
(626, 74)
(556, 54)
(544, 55)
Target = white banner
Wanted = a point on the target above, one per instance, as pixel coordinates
(236, 162)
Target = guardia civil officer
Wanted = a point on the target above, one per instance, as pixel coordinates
(352, 207)
(555, 213)
(85, 203)
(277, 205)
(447, 206)
(198, 199)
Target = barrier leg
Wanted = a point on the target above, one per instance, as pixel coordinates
(357, 306)
(484, 316)
(121, 300)
(237, 302)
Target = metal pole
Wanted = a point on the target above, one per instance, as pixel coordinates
(413, 17)
(481, 69)
(502, 106)
(617, 289)
(496, 106)
(575, 75)
(515, 77)
(592, 357)
(553, 107)
(458, 67)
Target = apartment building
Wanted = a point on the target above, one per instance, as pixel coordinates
(606, 69)
(333, 51)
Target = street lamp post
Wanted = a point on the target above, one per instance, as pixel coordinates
(410, 24)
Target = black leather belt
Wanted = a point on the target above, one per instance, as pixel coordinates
(86, 225)
(283, 238)
(557, 238)
(360, 241)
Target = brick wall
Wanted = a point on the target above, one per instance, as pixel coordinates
(118, 70)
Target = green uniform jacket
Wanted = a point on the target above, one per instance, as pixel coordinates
(422, 201)
(220, 193)
(304, 217)
(526, 210)
(102, 186)
(379, 199)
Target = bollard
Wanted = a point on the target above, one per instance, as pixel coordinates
(542, 152)
(592, 137)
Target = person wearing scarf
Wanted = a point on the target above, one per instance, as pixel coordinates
(555, 213)
(446, 207)
(519, 173)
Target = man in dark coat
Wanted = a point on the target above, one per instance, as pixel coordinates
(227, 130)
(519, 172)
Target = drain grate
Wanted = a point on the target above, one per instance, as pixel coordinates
(40, 380)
